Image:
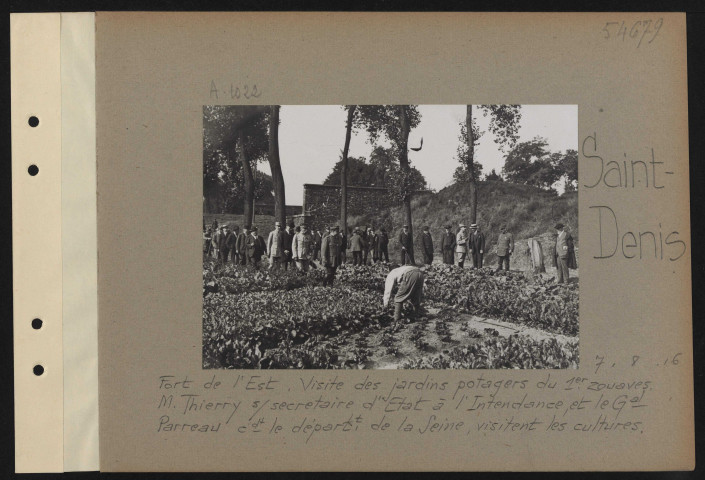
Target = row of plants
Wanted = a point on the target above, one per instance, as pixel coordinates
(306, 324)
(514, 352)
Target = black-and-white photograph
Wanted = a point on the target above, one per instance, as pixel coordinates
(390, 237)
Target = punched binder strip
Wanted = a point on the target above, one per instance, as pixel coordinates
(36, 239)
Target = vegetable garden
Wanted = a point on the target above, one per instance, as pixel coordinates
(262, 319)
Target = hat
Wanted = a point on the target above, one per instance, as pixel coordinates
(559, 226)
(425, 229)
(254, 229)
(277, 223)
(291, 225)
(405, 226)
(334, 227)
(462, 225)
(447, 226)
(473, 225)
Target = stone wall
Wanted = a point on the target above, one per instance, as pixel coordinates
(322, 202)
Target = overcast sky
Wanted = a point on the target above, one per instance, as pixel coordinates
(311, 140)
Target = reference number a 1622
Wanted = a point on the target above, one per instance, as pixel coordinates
(638, 31)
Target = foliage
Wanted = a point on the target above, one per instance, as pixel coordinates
(530, 163)
(493, 177)
(263, 319)
(516, 351)
(223, 178)
(375, 173)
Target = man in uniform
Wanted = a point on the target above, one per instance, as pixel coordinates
(222, 249)
(427, 244)
(275, 246)
(564, 250)
(288, 240)
(461, 244)
(410, 279)
(215, 241)
(505, 247)
(448, 246)
(234, 253)
(356, 245)
(255, 248)
(330, 254)
(477, 245)
(406, 243)
(229, 243)
(383, 245)
(365, 242)
(302, 247)
(241, 245)
(317, 237)
(372, 245)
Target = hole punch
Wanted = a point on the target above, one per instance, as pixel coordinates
(37, 323)
(33, 121)
(33, 170)
(38, 370)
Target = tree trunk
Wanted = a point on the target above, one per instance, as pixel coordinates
(344, 172)
(471, 165)
(406, 170)
(276, 167)
(248, 203)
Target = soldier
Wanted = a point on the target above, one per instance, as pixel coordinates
(222, 250)
(372, 245)
(406, 243)
(364, 234)
(317, 237)
(229, 243)
(275, 246)
(288, 240)
(476, 242)
(215, 240)
(255, 248)
(383, 245)
(241, 245)
(410, 280)
(343, 246)
(427, 244)
(505, 247)
(356, 244)
(234, 253)
(461, 244)
(448, 246)
(302, 248)
(330, 253)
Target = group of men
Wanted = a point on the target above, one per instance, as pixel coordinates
(367, 247)
(457, 246)
(302, 247)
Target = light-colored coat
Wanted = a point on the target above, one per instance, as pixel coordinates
(302, 246)
(505, 244)
(275, 243)
(461, 241)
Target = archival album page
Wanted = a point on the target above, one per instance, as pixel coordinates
(336, 241)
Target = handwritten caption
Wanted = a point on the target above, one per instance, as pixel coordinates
(643, 171)
(636, 32)
(310, 406)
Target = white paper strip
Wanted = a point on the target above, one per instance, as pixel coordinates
(36, 241)
(79, 246)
